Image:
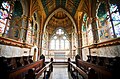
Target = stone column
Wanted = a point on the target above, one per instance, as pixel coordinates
(80, 18)
(40, 35)
(93, 23)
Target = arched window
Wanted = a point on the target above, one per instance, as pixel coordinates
(35, 33)
(16, 21)
(18, 11)
(59, 40)
(115, 14)
(4, 16)
(103, 23)
(106, 30)
(32, 32)
(87, 35)
(84, 30)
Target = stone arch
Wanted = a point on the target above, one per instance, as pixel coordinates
(59, 9)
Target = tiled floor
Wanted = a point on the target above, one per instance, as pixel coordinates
(60, 72)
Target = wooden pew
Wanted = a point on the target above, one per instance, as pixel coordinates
(44, 69)
(103, 73)
(38, 67)
(77, 70)
(20, 72)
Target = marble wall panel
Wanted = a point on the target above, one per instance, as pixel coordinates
(110, 51)
(11, 51)
(85, 52)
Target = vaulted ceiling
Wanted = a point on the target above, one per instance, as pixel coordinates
(60, 19)
(69, 5)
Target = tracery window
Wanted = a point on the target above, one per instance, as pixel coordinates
(104, 24)
(87, 35)
(59, 40)
(115, 18)
(32, 32)
(84, 30)
(15, 21)
(35, 33)
(10, 19)
(4, 14)
(89, 31)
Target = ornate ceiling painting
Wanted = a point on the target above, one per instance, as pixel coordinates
(60, 19)
(69, 5)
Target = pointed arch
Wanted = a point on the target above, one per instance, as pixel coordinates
(57, 10)
(59, 40)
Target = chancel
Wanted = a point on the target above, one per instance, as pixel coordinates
(60, 39)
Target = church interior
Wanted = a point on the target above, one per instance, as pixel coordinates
(83, 35)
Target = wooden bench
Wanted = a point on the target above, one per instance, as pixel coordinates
(75, 71)
(103, 73)
(20, 72)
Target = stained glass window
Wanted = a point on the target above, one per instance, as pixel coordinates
(115, 18)
(18, 11)
(29, 36)
(103, 23)
(4, 10)
(16, 21)
(59, 40)
(35, 33)
(84, 34)
(89, 33)
(105, 29)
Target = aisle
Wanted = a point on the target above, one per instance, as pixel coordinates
(60, 72)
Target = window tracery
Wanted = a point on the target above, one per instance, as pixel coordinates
(4, 14)
(104, 22)
(59, 40)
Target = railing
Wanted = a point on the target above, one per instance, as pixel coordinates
(44, 69)
(38, 67)
(60, 58)
(75, 71)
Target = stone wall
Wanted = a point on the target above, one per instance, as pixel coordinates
(11, 51)
(109, 51)
(85, 52)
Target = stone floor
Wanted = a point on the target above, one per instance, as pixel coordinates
(58, 60)
(60, 72)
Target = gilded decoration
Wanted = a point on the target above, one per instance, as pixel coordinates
(59, 19)
(70, 5)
